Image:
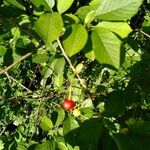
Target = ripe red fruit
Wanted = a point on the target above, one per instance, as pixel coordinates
(68, 104)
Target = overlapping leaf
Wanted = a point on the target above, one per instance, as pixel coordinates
(118, 10)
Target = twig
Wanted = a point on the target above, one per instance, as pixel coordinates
(147, 35)
(69, 62)
(16, 62)
(10, 77)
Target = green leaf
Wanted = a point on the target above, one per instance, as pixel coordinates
(87, 112)
(140, 142)
(120, 28)
(59, 66)
(89, 17)
(127, 142)
(49, 68)
(2, 50)
(63, 5)
(22, 41)
(90, 131)
(15, 3)
(83, 11)
(58, 81)
(106, 46)
(88, 49)
(41, 57)
(116, 103)
(95, 2)
(70, 19)
(49, 26)
(62, 146)
(46, 124)
(1, 145)
(45, 146)
(87, 103)
(47, 4)
(141, 128)
(61, 116)
(118, 10)
(76, 39)
(69, 125)
(21, 146)
(123, 142)
(15, 31)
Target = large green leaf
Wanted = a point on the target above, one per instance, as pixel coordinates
(49, 26)
(90, 131)
(106, 46)
(76, 40)
(46, 124)
(63, 5)
(115, 103)
(141, 128)
(88, 49)
(47, 4)
(130, 142)
(118, 10)
(120, 28)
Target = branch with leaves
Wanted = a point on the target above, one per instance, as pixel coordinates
(70, 64)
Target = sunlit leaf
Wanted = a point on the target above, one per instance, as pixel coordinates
(116, 10)
(46, 124)
(107, 47)
(46, 4)
(49, 26)
(63, 5)
(120, 28)
(75, 40)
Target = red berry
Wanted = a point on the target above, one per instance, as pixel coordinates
(68, 104)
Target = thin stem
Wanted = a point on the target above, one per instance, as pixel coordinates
(70, 64)
(70, 89)
(145, 34)
(11, 78)
(8, 76)
(16, 62)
